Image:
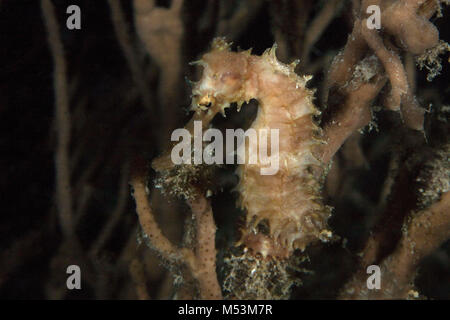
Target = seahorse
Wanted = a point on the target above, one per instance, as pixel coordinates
(289, 202)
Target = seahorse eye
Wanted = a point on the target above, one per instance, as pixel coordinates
(206, 101)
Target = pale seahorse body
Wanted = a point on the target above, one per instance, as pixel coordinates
(289, 200)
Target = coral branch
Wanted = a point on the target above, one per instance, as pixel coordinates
(115, 215)
(423, 232)
(354, 114)
(416, 36)
(205, 267)
(62, 114)
(148, 223)
(138, 275)
(161, 32)
(318, 26)
(200, 263)
(121, 29)
(401, 97)
(244, 14)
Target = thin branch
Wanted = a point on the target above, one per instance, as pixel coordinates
(115, 216)
(205, 251)
(243, 15)
(401, 97)
(318, 26)
(423, 232)
(354, 115)
(121, 29)
(137, 273)
(62, 113)
(148, 223)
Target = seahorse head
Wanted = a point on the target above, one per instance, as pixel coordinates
(224, 76)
